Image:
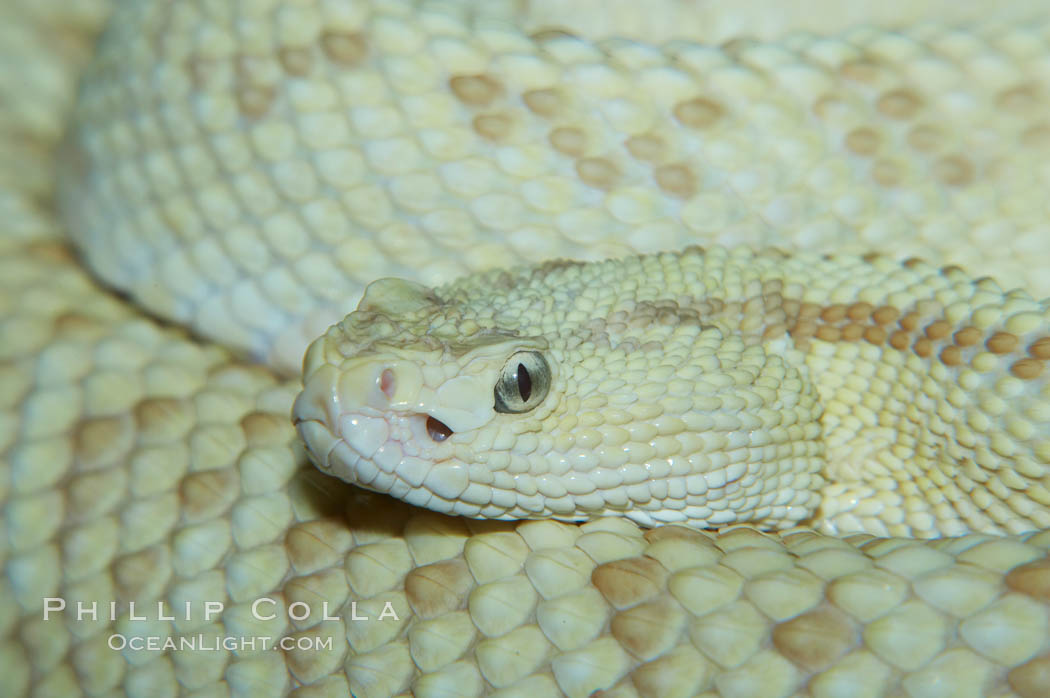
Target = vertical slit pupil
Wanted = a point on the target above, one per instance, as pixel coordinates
(524, 383)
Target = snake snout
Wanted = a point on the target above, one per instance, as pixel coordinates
(389, 386)
(437, 430)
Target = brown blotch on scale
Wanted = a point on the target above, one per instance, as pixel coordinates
(804, 329)
(677, 532)
(649, 629)
(863, 141)
(135, 575)
(951, 356)
(346, 49)
(1029, 680)
(305, 667)
(597, 172)
(318, 544)
(909, 321)
(923, 347)
(939, 329)
(569, 141)
(330, 584)
(826, 333)
(809, 311)
(1027, 369)
(814, 640)
(296, 61)
(493, 127)
(1031, 579)
(101, 441)
(967, 336)
(775, 330)
(899, 104)
(253, 102)
(698, 113)
(875, 335)
(852, 332)
(648, 148)
(834, 313)
(678, 672)
(209, 493)
(899, 340)
(1040, 349)
(475, 90)
(954, 170)
(625, 583)
(925, 139)
(885, 314)
(1002, 343)
(155, 418)
(546, 102)
(677, 180)
(439, 588)
(664, 311)
(859, 312)
(263, 429)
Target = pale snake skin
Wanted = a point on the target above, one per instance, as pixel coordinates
(145, 465)
(704, 387)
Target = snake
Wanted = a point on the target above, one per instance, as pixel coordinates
(696, 418)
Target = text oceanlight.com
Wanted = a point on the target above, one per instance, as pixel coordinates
(211, 643)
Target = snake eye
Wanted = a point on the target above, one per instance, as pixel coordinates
(523, 383)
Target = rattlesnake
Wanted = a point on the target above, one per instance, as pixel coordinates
(704, 387)
(328, 144)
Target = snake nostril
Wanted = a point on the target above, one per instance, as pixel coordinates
(437, 430)
(386, 383)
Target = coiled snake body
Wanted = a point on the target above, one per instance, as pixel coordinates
(245, 168)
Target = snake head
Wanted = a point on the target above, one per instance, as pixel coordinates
(415, 396)
(566, 390)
